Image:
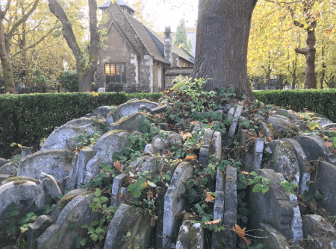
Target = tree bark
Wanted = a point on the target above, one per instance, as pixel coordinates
(223, 30)
(309, 52)
(85, 74)
(324, 66)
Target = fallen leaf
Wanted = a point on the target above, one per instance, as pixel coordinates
(212, 123)
(153, 219)
(240, 232)
(328, 144)
(269, 139)
(194, 122)
(240, 103)
(245, 173)
(209, 198)
(185, 135)
(101, 170)
(189, 158)
(214, 222)
(314, 205)
(180, 215)
(158, 115)
(255, 110)
(260, 134)
(150, 195)
(118, 167)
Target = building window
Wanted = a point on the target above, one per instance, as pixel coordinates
(115, 73)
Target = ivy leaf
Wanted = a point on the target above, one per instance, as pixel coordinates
(98, 192)
(257, 188)
(152, 184)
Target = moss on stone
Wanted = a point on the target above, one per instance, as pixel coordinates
(274, 131)
(20, 178)
(19, 182)
(65, 200)
(288, 146)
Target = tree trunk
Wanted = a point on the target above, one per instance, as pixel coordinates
(5, 61)
(309, 52)
(223, 30)
(85, 74)
(323, 68)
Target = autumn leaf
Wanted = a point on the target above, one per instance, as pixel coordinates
(194, 122)
(153, 219)
(240, 232)
(214, 222)
(245, 173)
(212, 123)
(150, 195)
(158, 115)
(189, 158)
(185, 135)
(260, 134)
(269, 139)
(118, 167)
(209, 198)
(328, 144)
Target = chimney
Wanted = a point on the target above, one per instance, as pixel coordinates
(168, 45)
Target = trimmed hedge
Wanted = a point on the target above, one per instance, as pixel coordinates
(319, 101)
(28, 118)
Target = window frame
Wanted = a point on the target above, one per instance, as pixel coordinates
(115, 70)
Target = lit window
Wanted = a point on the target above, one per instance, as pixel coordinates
(115, 73)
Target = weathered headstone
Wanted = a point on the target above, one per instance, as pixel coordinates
(173, 204)
(59, 137)
(26, 151)
(117, 184)
(284, 161)
(8, 168)
(110, 142)
(52, 162)
(314, 148)
(129, 123)
(233, 127)
(206, 147)
(258, 150)
(274, 207)
(125, 220)
(50, 188)
(100, 112)
(230, 207)
(320, 233)
(324, 182)
(274, 239)
(303, 163)
(62, 235)
(159, 109)
(190, 236)
(296, 224)
(36, 229)
(267, 130)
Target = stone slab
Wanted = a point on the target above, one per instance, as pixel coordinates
(274, 207)
(206, 147)
(100, 112)
(57, 163)
(129, 123)
(303, 164)
(296, 224)
(159, 109)
(320, 233)
(125, 220)
(324, 181)
(230, 206)
(314, 148)
(257, 156)
(275, 239)
(173, 204)
(284, 161)
(190, 236)
(37, 228)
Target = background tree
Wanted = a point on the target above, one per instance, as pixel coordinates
(180, 38)
(86, 57)
(223, 30)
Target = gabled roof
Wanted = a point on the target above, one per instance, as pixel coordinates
(176, 50)
(152, 41)
(108, 3)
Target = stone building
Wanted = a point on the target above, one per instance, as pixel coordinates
(134, 57)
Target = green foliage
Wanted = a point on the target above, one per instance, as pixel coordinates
(320, 101)
(39, 79)
(98, 201)
(69, 80)
(289, 186)
(259, 187)
(85, 139)
(10, 211)
(181, 36)
(27, 118)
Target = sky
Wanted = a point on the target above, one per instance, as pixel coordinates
(169, 12)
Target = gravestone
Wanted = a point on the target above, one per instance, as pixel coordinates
(233, 127)
(206, 148)
(173, 204)
(274, 239)
(314, 148)
(274, 207)
(258, 150)
(190, 236)
(324, 182)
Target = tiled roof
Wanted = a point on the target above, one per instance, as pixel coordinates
(176, 50)
(120, 2)
(146, 39)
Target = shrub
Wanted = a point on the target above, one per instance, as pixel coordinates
(69, 80)
(27, 118)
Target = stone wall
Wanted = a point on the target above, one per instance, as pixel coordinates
(172, 72)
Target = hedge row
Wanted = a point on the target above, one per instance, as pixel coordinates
(319, 101)
(28, 118)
